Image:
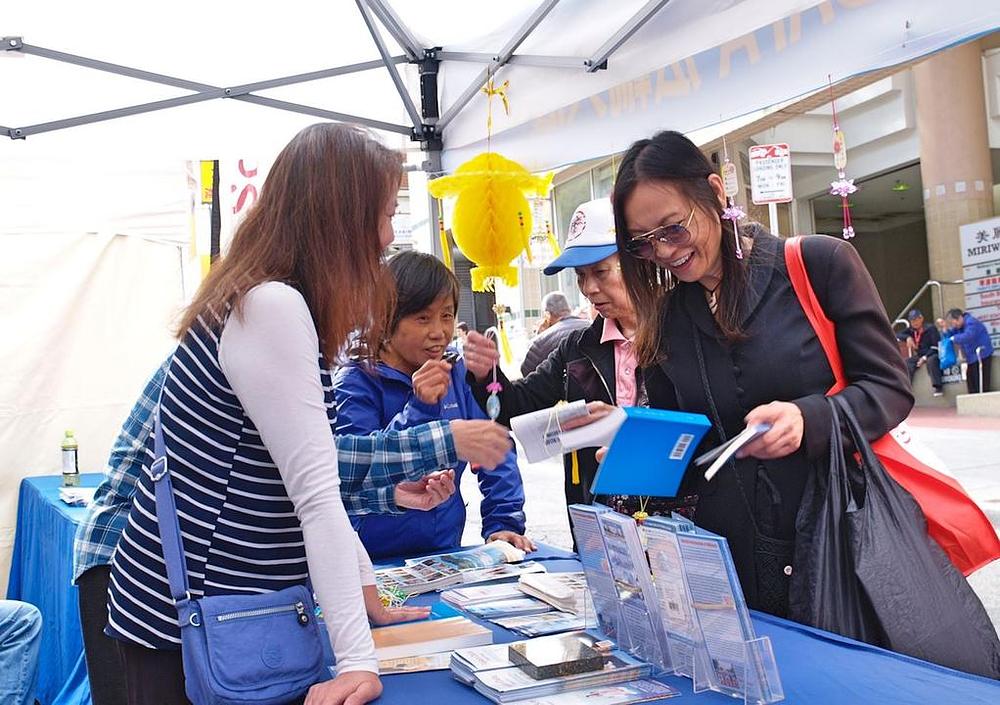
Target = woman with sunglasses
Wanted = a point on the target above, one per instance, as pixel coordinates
(721, 329)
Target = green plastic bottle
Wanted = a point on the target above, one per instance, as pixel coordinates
(70, 461)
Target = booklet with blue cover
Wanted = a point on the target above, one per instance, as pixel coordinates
(650, 452)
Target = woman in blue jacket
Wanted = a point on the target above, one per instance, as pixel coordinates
(971, 335)
(413, 383)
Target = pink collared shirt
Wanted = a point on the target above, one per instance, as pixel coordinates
(625, 363)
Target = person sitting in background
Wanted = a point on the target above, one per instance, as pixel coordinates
(922, 342)
(401, 454)
(412, 383)
(559, 323)
(971, 336)
(20, 639)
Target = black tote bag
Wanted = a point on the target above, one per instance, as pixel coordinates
(866, 568)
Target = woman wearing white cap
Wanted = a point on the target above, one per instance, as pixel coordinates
(596, 364)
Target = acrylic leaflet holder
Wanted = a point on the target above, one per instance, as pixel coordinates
(682, 612)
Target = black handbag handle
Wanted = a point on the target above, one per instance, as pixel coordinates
(838, 461)
(858, 439)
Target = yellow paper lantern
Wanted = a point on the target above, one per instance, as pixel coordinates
(492, 220)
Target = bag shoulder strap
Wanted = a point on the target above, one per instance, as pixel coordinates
(821, 325)
(166, 511)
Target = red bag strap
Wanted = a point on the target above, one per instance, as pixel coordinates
(821, 325)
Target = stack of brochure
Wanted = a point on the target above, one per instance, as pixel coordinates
(564, 591)
(428, 637)
(543, 624)
(481, 564)
(518, 607)
(504, 685)
(465, 597)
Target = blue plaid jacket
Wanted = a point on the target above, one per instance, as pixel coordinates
(381, 459)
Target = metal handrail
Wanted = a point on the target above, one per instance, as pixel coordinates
(900, 317)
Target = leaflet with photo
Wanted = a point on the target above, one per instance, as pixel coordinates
(671, 589)
(643, 634)
(596, 566)
(519, 606)
(541, 624)
(466, 596)
(512, 684)
(719, 607)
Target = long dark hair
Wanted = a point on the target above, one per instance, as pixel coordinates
(672, 158)
(316, 227)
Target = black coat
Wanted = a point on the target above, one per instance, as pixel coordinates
(581, 367)
(780, 360)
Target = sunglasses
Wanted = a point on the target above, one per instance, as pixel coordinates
(677, 235)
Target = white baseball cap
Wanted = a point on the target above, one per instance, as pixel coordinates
(590, 239)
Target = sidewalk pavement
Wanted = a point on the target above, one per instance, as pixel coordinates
(970, 446)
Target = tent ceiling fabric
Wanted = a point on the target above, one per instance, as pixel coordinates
(773, 50)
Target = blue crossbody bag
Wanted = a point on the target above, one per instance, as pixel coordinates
(237, 649)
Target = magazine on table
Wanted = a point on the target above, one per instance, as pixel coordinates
(630, 693)
(518, 606)
(596, 568)
(542, 624)
(504, 685)
(467, 596)
(493, 561)
(667, 566)
(566, 592)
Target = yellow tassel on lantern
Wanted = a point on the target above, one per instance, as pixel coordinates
(443, 235)
(553, 243)
(492, 222)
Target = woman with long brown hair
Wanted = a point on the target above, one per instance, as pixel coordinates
(721, 333)
(247, 412)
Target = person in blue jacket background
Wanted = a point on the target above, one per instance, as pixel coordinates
(413, 383)
(971, 335)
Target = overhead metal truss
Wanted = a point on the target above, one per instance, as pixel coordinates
(426, 126)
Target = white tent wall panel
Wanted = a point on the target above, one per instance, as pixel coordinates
(87, 319)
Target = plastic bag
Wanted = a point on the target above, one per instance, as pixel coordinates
(866, 568)
(946, 353)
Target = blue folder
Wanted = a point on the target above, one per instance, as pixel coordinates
(650, 452)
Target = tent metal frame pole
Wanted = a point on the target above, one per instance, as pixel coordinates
(203, 93)
(366, 13)
(399, 31)
(600, 57)
(501, 58)
(553, 62)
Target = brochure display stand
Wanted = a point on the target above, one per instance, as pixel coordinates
(683, 611)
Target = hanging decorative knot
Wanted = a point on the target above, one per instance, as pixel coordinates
(491, 90)
(843, 186)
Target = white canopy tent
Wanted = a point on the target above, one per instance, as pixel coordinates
(105, 101)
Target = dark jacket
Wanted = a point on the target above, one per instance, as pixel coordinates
(929, 339)
(581, 367)
(548, 340)
(780, 360)
(369, 402)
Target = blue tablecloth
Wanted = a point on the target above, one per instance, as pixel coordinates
(41, 573)
(816, 667)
